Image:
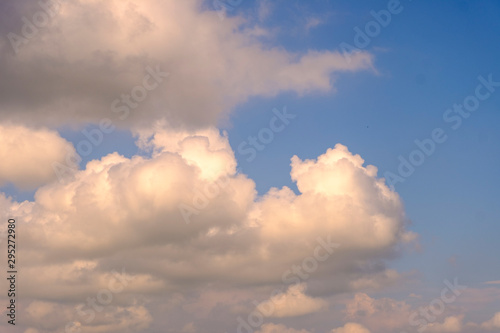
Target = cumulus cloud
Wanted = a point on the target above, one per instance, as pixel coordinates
(376, 281)
(384, 314)
(366, 214)
(27, 155)
(51, 317)
(279, 328)
(390, 315)
(130, 46)
(234, 237)
(493, 324)
(351, 328)
(294, 302)
(452, 324)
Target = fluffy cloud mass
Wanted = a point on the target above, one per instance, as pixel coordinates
(351, 328)
(137, 61)
(492, 324)
(292, 303)
(391, 315)
(175, 236)
(27, 155)
(380, 314)
(450, 324)
(138, 205)
(273, 328)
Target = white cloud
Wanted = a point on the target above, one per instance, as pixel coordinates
(52, 317)
(234, 238)
(366, 214)
(27, 155)
(390, 315)
(493, 324)
(294, 302)
(376, 281)
(351, 328)
(452, 324)
(384, 314)
(278, 328)
(213, 65)
(189, 328)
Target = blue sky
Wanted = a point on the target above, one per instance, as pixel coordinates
(428, 58)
